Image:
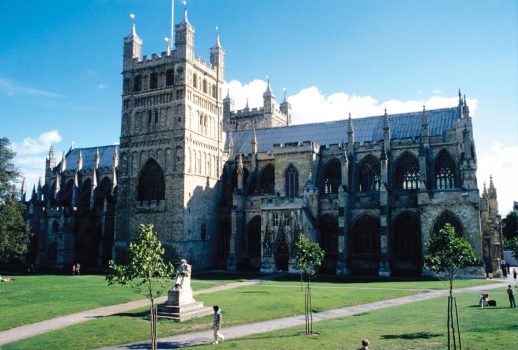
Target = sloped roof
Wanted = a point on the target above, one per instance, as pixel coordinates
(105, 155)
(407, 125)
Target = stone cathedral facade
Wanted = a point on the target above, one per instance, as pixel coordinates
(234, 188)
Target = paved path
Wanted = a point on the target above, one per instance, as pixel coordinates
(33, 329)
(205, 337)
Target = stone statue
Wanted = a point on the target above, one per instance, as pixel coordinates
(183, 279)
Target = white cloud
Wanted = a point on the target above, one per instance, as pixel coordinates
(310, 105)
(101, 86)
(11, 88)
(501, 162)
(31, 146)
(31, 154)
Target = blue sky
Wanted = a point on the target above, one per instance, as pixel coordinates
(60, 65)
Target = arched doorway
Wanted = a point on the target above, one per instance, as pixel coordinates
(365, 245)
(282, 257)
(151, 182)
(447, 217)
(405, 248)
(329, 243)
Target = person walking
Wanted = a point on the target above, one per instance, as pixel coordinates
(217, 325)
(73, 269)
(514, 274)
(78, 269)
(510, 293)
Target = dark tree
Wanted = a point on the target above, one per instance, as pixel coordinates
(510, 225)
(14, 239)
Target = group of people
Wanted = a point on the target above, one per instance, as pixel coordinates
(6, 279)
(76, 269)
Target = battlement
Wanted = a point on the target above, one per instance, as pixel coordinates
(157, 59)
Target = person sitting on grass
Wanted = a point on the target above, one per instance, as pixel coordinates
(365, 344)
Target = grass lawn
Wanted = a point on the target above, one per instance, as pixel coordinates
(346, 283)
(40, 297)
(412, 326)
(240, 305)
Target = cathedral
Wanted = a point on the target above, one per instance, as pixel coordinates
(234, 188)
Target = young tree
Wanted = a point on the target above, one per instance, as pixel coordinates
(447, 253)
(146, 273)
(308, 258)
(13, 236)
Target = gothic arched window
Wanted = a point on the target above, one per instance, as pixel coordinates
(195, 80)
(407, 172)
(103, 191)
(153, 81)
(54, 227)
(169, 77)
(137, 83)
(366, 236)
(332, 177)
(151, 182)
(66, 194)
(267, 179)
(447, 217)
(369, 177)
(405, 238)
(292, 182)
(445, 171)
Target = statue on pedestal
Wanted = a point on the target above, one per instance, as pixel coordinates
(180, 304)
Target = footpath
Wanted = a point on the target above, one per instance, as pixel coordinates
(205, 337)
(30, 330)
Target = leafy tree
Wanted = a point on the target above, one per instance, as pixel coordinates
(146, 273)
(512, 244)
(14, 239)
(447, 253)
(13, 236)
(308, 258)
(510, 225)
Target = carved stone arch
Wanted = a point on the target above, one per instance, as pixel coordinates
(291, 181)
(331, 177)
(84, 193)
(369, 174)
(446, 174)
(448, 217)
(405, 247)
(66, 193)
(267, 179)
(365, 244)
(406, 173)
(329, 242)
(151, 182)
(103, 191)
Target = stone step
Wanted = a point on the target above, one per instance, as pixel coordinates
(183, 312)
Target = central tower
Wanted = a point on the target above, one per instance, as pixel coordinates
(171, 146)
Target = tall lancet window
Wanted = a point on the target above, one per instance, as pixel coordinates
(292, 182)
(369, 176)
(445, 171)
(407, 172)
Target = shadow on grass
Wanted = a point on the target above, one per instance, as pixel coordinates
(409, 336)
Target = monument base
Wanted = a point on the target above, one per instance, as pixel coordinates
(181, 306)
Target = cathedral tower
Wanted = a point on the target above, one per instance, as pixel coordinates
(171, 146)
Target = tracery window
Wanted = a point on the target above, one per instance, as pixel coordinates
(267, 179)
(292, 182)
(407, 172)
(151, 182)
(445, 174)
(332, 177)
(369, 178)
(447, 217)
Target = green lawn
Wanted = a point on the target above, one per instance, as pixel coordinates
(40, 297)
(412, 326)
(240, 305)
(346, 283)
